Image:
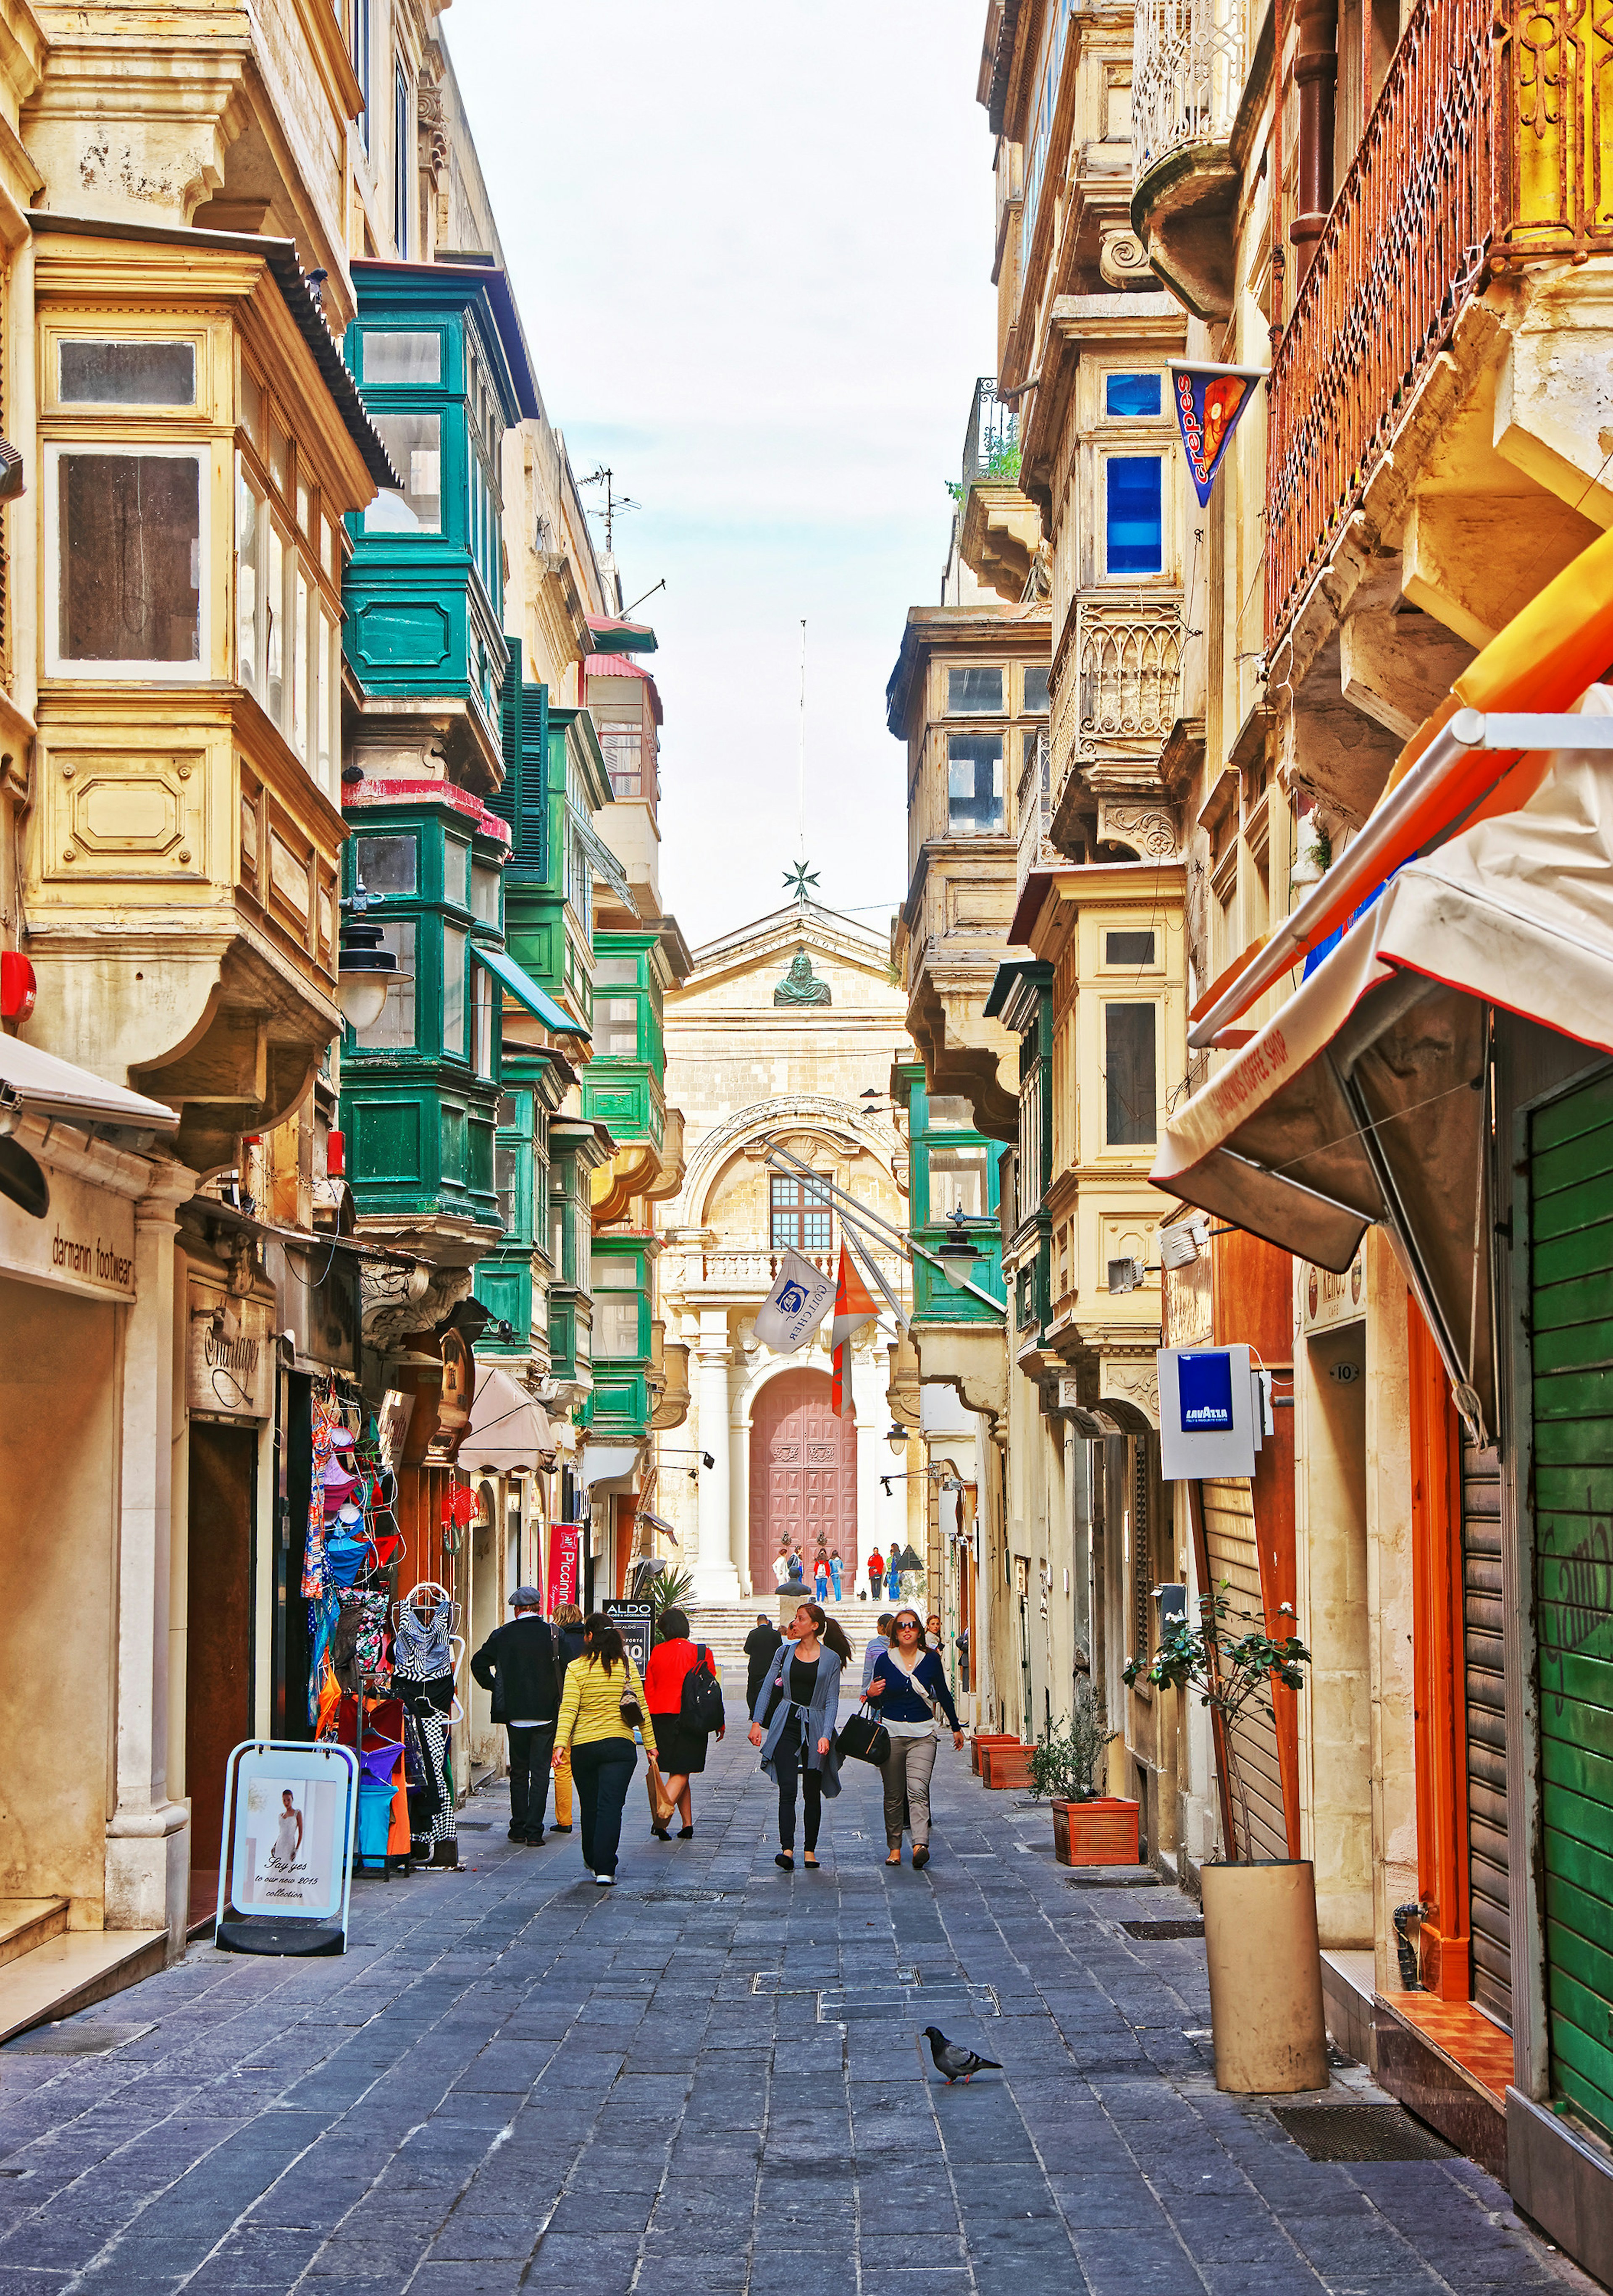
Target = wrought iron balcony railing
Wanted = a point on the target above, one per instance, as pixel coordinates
(1130, 659)
(1486, 149)
(991, 444)
(1188, 58)
(1033, 811)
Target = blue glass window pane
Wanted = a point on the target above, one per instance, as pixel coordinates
(1130, 394)
(1134, 522)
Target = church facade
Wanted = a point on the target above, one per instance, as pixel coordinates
(786, 1030)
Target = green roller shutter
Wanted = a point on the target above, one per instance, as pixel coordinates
(1571, 1300)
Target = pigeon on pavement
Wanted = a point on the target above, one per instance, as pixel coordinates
(956, 2063)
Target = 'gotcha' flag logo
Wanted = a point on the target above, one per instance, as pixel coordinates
(1210, 401)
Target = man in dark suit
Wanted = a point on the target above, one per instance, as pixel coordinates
(759, 1644)
(519, 1663)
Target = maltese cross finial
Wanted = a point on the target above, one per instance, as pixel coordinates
(798, 879)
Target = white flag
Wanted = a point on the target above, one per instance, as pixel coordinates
(798, 1302)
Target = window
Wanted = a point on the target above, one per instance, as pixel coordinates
(616, 973)
(974, 693)
(1030, 1175)
(455, 871)
(1135, 521)
(1127, 948)
(453, 992)
(414, 447)
(624, 761)
(92, 373)
(1036, 700)
(801, 1221)
(615, 1328)
(394, 1031)
(393, 356)
(1131, 396)
(1129, 1084)
(958, 1182)
(402, 172)
(507, 1171)
(484, 892)
(616, 1026)
(974, 797)
(483, 1045)
(949, 1109)
(387, 864)
(363, 50)
(288, 612)
(128, 534)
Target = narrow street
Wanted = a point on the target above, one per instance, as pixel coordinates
(710, 2081)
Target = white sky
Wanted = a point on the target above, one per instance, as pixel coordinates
(751, 247)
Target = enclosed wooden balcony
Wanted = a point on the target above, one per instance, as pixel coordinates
(1483, 157)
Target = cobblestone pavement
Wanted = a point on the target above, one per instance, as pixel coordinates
(709, 2080)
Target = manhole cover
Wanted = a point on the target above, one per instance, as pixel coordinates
(1113, 1882)
(476, 1825)
(1360, 2132)
(679, 1896)
(1164, 1929)
(75, 2041)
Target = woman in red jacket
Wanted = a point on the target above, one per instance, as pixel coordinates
(680, 1747)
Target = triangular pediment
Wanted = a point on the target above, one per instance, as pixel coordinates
(800, 959)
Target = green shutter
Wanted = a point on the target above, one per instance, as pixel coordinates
(1571, 1302)
(532, 836)
(505, 801)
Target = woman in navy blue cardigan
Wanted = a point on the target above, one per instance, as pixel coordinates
(909, 1684)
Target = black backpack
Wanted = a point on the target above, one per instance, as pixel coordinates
(701, 1705)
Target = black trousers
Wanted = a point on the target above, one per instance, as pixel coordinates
(530, 1754)
(602, 1773)
(789, 1762)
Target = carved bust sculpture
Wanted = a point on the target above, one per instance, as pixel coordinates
(801, 985)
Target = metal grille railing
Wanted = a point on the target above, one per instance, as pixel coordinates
(991, 444)
(1130, 672)
(1188, 65)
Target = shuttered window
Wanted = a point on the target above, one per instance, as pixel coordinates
(1571, 1302)
(1487, 1859)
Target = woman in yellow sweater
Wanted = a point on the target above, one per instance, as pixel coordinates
(601, 1706)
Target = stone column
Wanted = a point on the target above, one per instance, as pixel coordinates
(148, 1835)
(716, 1580)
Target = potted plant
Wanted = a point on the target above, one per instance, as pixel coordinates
(1259, 1913)
(1005, 1762)
(1090, 1828)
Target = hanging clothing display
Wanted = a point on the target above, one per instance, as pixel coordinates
(423, 1660)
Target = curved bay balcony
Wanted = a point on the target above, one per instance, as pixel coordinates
(1188, 62)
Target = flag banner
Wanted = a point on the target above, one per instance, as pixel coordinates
(797, 1305)
(1210, 401)
(564, 1564)
(854, 1305)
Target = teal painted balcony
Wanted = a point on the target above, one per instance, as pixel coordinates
(954, 1169)
(438, 352)
(622, 1275)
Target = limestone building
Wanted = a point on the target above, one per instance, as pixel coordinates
(785, 1030)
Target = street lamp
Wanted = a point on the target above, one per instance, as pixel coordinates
(957, 1254)
(366, 967)
(897, 1437)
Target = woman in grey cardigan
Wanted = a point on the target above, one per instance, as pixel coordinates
(792, 1721)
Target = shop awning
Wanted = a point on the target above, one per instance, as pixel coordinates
(525, 990)
(1447, 777)
(1363, 1098)
(48, 1087)
(508, 1432)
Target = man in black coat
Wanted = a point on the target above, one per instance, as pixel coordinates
(759, 1644)
(520, 1664)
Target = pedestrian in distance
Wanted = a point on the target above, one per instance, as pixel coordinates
(520, 1665)
(681, 1741)
(876, 1574)
(602, 1705)
(835, 1568)
(568, 1638)
(893, 1577)
(759, 1644)
(932, 1630)
(878, 1642)
(792, 1721)
(909, 1684)
(781, 1570)
(820, 1576)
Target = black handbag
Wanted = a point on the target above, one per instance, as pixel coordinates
(862, 1738)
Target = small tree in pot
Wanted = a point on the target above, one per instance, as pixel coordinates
(1261, 1939)
(1090, 1828)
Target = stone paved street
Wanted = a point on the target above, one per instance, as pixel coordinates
(705, 2082)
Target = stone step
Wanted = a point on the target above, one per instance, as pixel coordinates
(27, 1921)
(72, 1971)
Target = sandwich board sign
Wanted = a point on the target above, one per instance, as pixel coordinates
(635, 1622)
(285, 1863)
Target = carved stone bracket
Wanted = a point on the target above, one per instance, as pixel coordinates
(1150, 829)
(1131, 1381)
(1123, 260)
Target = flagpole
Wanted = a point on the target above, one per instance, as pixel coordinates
(868, 1262)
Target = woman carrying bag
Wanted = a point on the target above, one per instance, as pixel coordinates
(680, 1739)
(908, 1683)
(793, 1722)
(602, 1705)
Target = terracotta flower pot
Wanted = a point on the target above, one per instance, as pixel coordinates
(984, 1738)
(1265, 1976)
(1006, 1764)
(1098, 1833)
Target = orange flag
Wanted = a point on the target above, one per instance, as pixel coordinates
(853, 1306)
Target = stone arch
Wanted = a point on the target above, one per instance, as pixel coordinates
(791, 1112)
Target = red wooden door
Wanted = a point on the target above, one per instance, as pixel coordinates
(804, 1475)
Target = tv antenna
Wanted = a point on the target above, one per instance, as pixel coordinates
(614, 503)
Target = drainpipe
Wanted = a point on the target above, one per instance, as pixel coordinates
(1316, 75)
